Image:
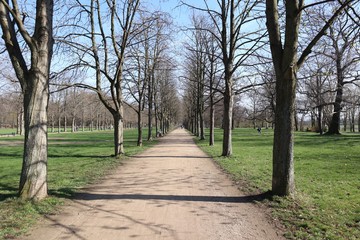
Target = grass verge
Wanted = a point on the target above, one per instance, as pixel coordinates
(75, 159)
(327, 202)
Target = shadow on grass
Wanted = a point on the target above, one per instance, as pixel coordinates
(17, 155)
(62, 192)
(11, 192)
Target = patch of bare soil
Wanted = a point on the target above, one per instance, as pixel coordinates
(171, 191)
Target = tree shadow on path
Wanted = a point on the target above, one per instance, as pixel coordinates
(184, 198)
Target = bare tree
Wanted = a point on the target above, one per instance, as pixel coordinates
(230, 19)
(284, 49)
(212, 76)
(159, 36)
(195, 71)
(34, 79)
(100, 43)
(343, 35)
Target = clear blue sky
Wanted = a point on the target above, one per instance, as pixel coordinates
(180, 14)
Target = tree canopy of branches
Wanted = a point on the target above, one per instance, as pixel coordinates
(100, 40)
(229, 19)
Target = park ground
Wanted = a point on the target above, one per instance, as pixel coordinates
(326, 204)
(171, 191)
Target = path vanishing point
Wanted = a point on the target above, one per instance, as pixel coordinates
(170, 191)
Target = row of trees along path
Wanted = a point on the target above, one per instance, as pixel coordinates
(171, 191)
(102, 41)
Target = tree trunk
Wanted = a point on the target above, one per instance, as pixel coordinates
(156, 119)
(139, 140)
(34, 80)
(20, 122)
(73, 128)
(212, 121)
(352, 115)
(59, 123)
(52, 123)
(284, 59)
(302, 122)
(359, 122)
(320, 127)
(334, 127)
(33, 180)
(118, 135)
(283, 163)
(227, 120)
(65, 122)
(150, 106)
(83, 122)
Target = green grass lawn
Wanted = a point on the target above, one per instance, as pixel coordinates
(7, 130)
(327, 174)
(75, 159)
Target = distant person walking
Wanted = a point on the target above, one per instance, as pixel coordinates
(259, 130)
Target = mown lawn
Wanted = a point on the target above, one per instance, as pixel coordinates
(327, 174)
(6, 131)
(75, 159)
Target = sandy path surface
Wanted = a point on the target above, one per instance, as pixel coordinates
(171, 191)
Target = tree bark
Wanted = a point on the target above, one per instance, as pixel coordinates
(283, 163)
(35, 86)
(228, 108)
(118, 134)
(285, 63)
(33, 180)
(212, 118)
(150, 104)
(358, 122)
(73, 127)
(139, 140)
(320, 127)
(334, 127)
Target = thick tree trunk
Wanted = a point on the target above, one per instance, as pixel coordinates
(65, 122)
(59, 124)
(139, 140)
(283, 162)
(52, 123)
(302, 122)
(212, 121)
(20, 122)
(284, 57)
(83, 122)
(227, 120)
(150, 106)
(320, 127)
(359, 122)
(118, 135)
(73, 127)
(334, 127)
(33, 180)
(352, 122)
(201, 125)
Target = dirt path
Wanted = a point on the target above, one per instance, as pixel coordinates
(171, 191)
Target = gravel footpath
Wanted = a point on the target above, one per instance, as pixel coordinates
(170, 191)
